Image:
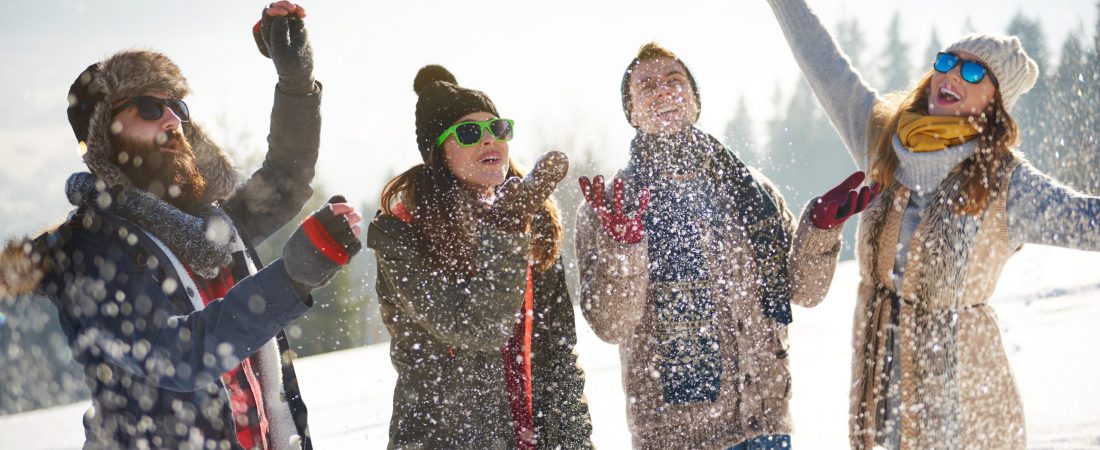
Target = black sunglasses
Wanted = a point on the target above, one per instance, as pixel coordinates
(152, 108)
(971, 71)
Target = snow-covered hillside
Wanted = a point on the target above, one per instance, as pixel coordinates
(1048, 302)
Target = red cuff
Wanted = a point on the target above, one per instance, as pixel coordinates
(324, 241)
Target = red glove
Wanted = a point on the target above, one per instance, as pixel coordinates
(628, 230)
(843, 201)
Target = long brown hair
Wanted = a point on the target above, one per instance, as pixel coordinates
(427, 191)
(998, 135)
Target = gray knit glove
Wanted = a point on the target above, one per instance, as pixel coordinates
(284, 39)
(322, 245)
(518, 200)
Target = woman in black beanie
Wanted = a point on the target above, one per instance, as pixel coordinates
(472, 288)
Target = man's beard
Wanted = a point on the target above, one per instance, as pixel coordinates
(173, 177)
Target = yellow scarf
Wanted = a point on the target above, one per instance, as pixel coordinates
(924, 133)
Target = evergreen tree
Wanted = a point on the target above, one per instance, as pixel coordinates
(776, 128)
(1068, 135)
(968, 26)
(897, 68)
(1030, 32)
(934, 46)
(1090, 110)
(36, 363)
(738, 135)
(1032, 111)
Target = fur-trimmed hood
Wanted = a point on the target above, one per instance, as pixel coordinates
(23, 261)
(21, 268)
(131, 73)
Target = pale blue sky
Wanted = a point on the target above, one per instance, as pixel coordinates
(555, 67)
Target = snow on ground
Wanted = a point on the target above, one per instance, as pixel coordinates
(1048, 302)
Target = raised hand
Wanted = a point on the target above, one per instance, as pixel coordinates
(323, 244)
(518, 200)
(628, 230)
(841, 202)
(281, 35)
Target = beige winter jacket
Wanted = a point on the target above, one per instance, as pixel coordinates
(956, 390)
(618, 302)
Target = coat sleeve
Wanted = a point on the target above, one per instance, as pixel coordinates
(478, 313)
(278, 190)
(814, 255)
(1044, 211)
(814, 251)
(561, 412)
(844, 95)
(614, 279)
(116, 309)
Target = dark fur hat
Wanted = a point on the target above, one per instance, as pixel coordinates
(131, 73)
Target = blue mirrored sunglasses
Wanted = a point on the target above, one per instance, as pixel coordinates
(972, 72)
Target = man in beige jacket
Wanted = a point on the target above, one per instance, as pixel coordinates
(695, 283)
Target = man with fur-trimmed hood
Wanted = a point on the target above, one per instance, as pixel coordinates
(154, 275)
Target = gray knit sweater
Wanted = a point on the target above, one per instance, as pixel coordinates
(1040, 210)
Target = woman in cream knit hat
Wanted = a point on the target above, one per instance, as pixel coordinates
(928, 366)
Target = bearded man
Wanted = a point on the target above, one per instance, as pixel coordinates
(155, 278)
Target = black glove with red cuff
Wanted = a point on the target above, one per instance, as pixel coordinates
(320, 247)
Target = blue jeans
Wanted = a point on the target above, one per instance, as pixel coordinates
(772, 442)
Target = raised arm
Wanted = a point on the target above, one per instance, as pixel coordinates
(276, 192)
(814, 250)
(813, 259)
(842, 92)
(1044, 211)
(816, 246)
(614, 275)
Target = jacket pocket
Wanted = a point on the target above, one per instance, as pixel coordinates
(775, 401)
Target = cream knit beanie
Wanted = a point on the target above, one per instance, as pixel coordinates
(1015, 71)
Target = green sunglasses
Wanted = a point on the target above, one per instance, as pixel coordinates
(470, 133)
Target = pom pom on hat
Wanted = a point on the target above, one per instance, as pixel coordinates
(429, 74)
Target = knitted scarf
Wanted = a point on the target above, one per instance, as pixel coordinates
(924, 133)
(695, 182)
(200, 238)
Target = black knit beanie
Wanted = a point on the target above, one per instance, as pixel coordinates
(441, 103)
(628, 104)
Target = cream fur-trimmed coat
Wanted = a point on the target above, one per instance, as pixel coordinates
(956, 388)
